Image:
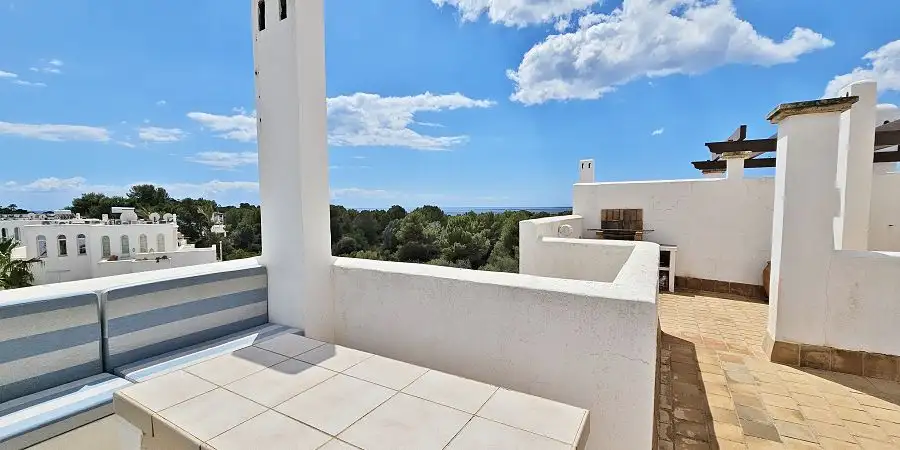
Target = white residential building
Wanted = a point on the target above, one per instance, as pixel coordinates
(73, 248)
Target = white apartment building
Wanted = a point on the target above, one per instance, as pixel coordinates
(73, 248)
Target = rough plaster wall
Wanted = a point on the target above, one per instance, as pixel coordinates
(722, 227)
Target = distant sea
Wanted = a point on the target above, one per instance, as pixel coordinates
(455, 211)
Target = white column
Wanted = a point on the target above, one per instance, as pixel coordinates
(586, 172)
(805, 204)
(854, 168)
(734, 165)
(289, 58)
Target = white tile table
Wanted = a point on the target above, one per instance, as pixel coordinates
(295, 393)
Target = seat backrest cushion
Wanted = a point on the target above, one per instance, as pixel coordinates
(47, 342)
(149, 319)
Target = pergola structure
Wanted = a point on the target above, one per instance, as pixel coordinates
(886, 135)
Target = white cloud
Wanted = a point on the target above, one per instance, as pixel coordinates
(517, 12)
(55, 62)
(365, 119)
(50, 184)
(658, 132)
(886, 112)
(157, 134)
(79, 185)
(29, 83)
(8, 75)
(238, 127)
(224, 160)
(359, 157)
(362, 119)
(883, 67)
(649, 38)
(52, 132)
(161, 103)
(362, 193)
(126, 144)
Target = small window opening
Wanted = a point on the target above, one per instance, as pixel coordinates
(261, 15)
(282, 9)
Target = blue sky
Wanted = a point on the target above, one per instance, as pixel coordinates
(448, 102)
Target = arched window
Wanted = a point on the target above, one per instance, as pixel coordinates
(160, 242)
(105, 250)
(42, 246)
(82, 244)
(142, 243)
(62, 249)
(2, 233)
(16, 233)
(126, 247)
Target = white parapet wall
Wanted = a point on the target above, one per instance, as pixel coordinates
(722, 227)
(862, 304)
(884, 222)
(586, 343)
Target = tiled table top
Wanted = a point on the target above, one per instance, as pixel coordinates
(298, 393)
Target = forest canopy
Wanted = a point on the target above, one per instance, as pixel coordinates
(484, 241)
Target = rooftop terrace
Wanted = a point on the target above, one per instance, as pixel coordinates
(719, 389)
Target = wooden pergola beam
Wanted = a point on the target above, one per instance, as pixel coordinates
(760, 163)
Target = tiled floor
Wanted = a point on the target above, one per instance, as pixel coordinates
(337, 397)
(719, 391)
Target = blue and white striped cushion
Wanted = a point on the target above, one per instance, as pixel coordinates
(40, 416)
(47, 342)
(179, 359)
(151, 319)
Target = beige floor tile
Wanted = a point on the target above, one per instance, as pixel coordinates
(786, 414)
(844, 401)
(854, 415)
(452, 391)
(797, 444)
(336, 403)
(334, 357)
(167, 390)
(830, 430)
(270, 430)
(794, 430)
(891, 428)
(212, 413)
(289, 345)
(723, 415)
(886, 415)
(537, 415)
(406, 422)
(811, 400)
(336, 444)
(833, 444)
(386, 372)
(727, 431)
(481, 434)
(731, 445)
(779, 400)
(280, 382)
(865, 430)
(104, 434)
(236, 365)
(755, 443)
(820, 415)
(870, 444)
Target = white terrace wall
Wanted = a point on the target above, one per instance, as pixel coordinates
(584, 343)
(862, 304)
(722, 227)
(884, 223)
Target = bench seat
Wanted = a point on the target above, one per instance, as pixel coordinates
(42, 415)
(179, 359)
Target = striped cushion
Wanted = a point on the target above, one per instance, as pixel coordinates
(46, 342)
(179, 359)
(40, 416)
(151, 319)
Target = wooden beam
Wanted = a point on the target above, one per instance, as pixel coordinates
(883, 157)
(756, 163)
(887, 138)
(752, 145)
(739, 134)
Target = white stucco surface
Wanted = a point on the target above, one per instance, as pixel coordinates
(884, 226)
(862, 306)
(289, 59)
(585, 343)
(722, 227)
